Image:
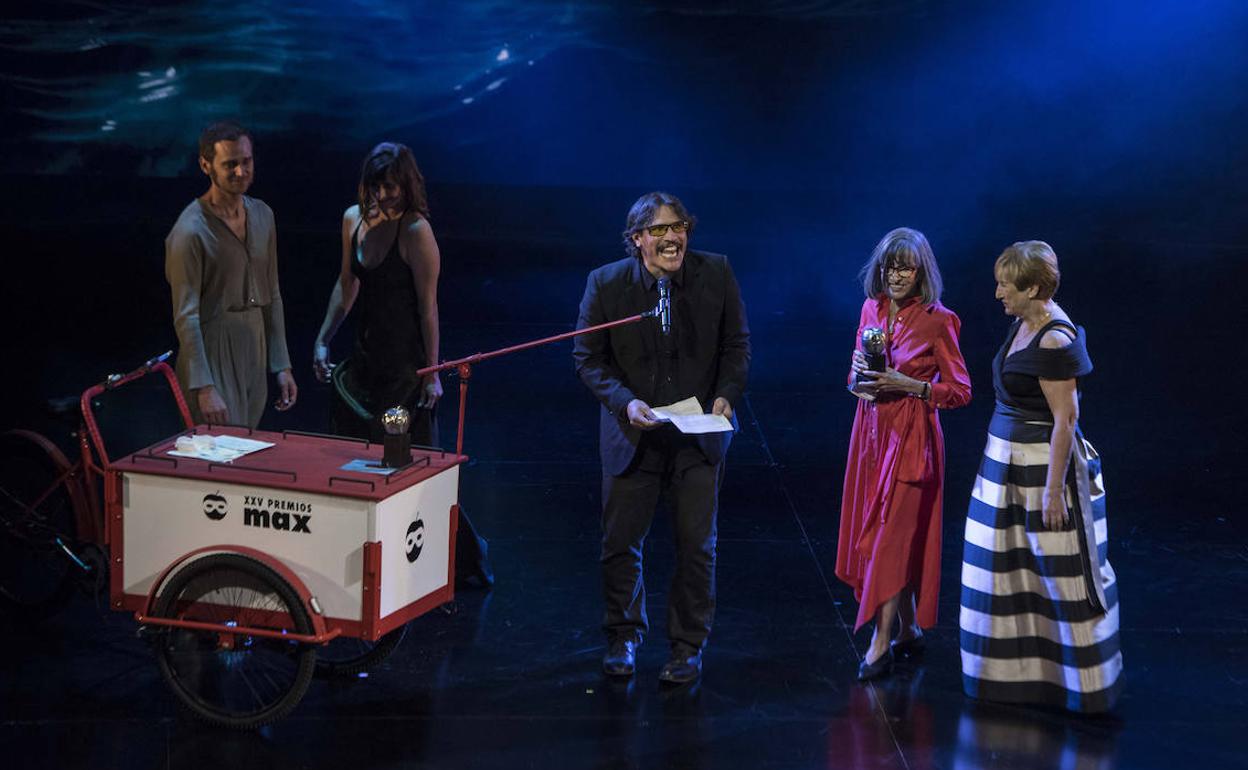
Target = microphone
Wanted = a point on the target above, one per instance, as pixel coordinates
(665, 305)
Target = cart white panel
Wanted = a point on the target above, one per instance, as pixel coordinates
(166, 517)
(414, 528)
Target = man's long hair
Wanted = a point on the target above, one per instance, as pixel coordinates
(642, 214)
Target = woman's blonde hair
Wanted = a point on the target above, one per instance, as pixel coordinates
(1027, 264)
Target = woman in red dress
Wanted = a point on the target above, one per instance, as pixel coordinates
(889, 545)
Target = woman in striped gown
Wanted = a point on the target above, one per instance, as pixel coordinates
(1039, 615)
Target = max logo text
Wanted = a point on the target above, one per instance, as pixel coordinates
(276, 514)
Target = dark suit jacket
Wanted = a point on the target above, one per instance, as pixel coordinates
(620, 364)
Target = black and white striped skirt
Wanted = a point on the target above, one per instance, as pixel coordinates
(1039, 615)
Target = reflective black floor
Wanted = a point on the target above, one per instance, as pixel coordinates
(510, 677)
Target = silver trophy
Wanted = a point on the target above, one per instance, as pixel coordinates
(398, 442)
(873, 342)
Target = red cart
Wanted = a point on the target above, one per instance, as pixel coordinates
(248, 576)
(241, 573)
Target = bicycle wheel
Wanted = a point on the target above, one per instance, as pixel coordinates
(346, 656)
(39, 505)
(234, 680)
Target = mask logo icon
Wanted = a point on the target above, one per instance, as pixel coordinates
(415, 540)
(215, 507)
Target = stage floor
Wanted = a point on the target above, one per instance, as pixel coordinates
(510, 677)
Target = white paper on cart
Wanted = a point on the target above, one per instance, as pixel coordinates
(216, 449)
(687, 416)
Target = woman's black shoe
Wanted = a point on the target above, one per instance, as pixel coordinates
(910, 647)
(882, 667)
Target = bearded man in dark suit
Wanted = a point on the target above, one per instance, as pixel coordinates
(631, 368)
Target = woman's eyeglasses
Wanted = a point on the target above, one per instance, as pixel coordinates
(904, 271)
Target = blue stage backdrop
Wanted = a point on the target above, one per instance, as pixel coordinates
(875, 112)
(799, 131)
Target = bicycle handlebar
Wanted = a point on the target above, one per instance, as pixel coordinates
(114, 380)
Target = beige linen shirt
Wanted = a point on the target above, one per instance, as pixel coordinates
(212, 272)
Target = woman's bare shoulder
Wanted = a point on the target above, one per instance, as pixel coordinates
(417, 232)
(1058, 337)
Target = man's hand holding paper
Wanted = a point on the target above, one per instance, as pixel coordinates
(688, 417)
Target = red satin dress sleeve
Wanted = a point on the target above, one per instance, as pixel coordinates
(894, 476)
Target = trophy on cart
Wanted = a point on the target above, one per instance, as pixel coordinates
(397, 445)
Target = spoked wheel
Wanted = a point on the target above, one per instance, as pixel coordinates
(344, 657)
(40, 499)
(234, 679)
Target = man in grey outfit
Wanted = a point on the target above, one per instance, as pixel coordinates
(221, 264)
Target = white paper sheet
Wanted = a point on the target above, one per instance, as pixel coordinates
(223, 449)
(688, 417)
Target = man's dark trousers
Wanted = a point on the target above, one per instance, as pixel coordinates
(672, 463)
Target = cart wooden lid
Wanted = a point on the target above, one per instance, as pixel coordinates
(305, 462)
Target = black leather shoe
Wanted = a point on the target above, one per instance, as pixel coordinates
(882, 667)
(620, 658)
(910, 647)
(685, 665)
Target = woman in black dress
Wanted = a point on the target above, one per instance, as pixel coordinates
(390, 265)
(1039, 615)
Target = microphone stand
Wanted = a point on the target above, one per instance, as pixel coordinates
(463, 366)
